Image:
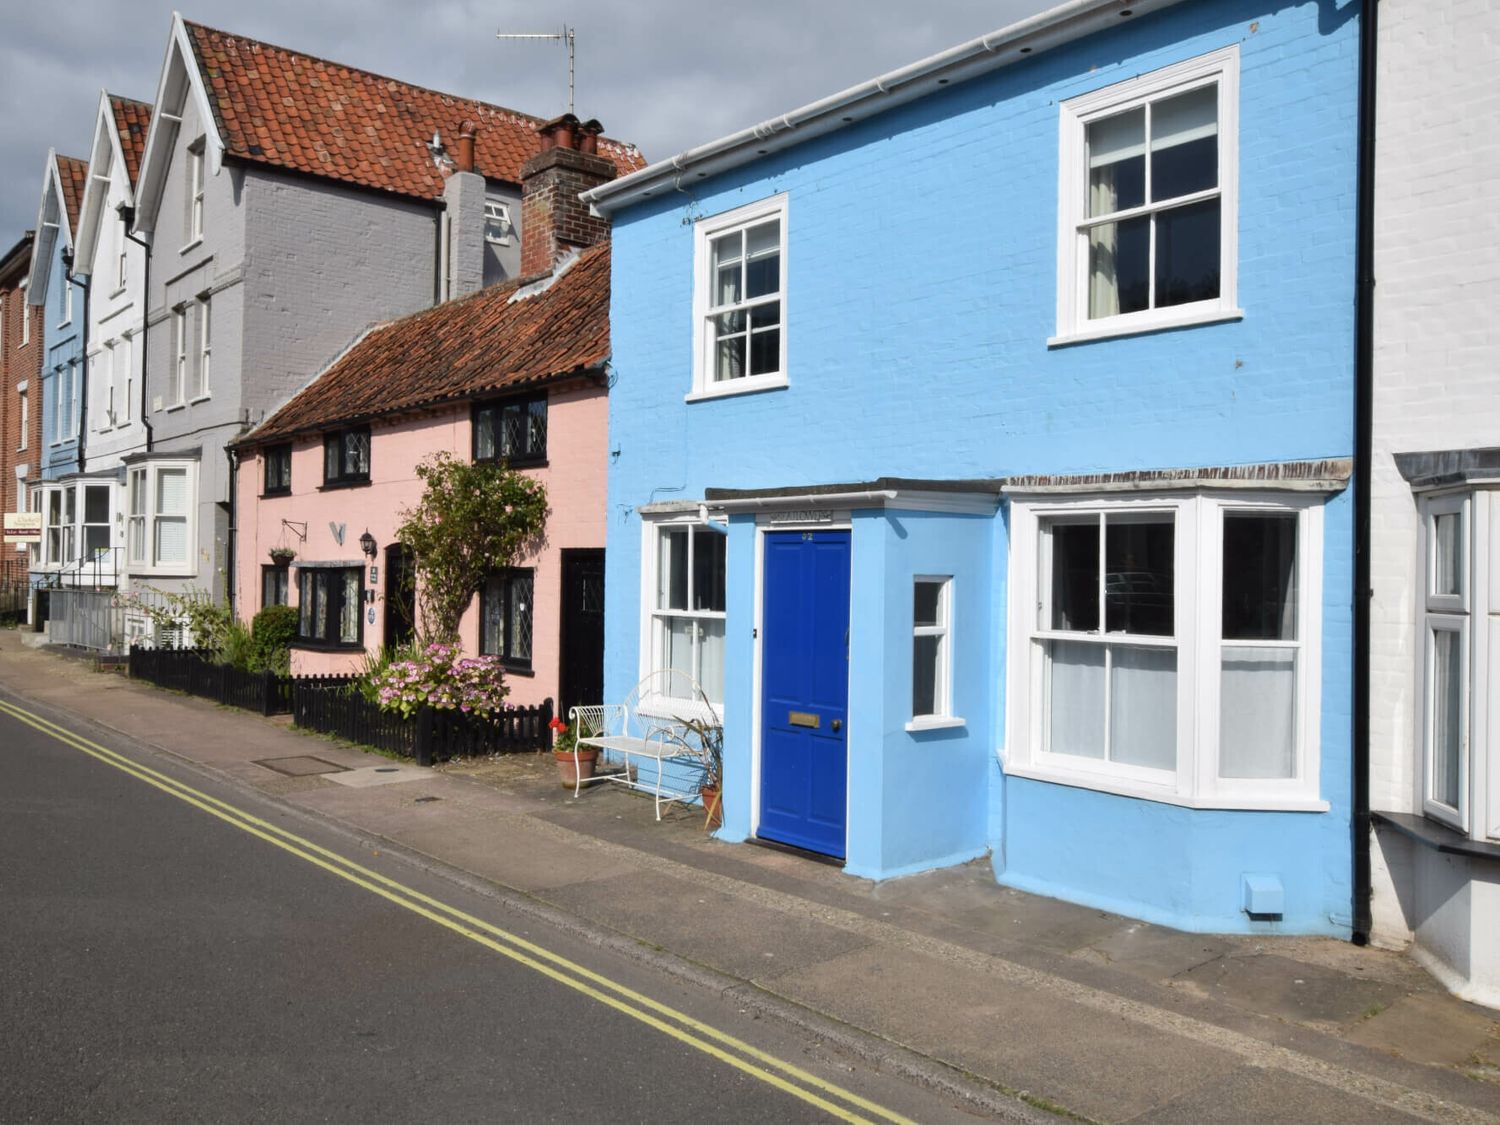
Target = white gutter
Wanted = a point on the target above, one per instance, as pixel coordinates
(1012, 44)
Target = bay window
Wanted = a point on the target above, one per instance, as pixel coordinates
(686, 568)
(1165, 646)
(1445, 605)
(1147, 190)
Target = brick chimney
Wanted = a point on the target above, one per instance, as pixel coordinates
(553, 219)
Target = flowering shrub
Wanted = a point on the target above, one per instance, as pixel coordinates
(440, 676)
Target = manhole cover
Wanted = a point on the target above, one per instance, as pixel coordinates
(301, 766)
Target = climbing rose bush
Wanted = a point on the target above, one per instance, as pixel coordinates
(440, 676)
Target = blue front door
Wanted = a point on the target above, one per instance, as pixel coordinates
(805, 690)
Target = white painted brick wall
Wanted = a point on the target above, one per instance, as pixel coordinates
(1437, 345)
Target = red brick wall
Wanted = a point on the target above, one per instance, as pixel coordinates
(17, 365)
(552, 216)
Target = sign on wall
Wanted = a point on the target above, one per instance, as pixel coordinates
(23, 527)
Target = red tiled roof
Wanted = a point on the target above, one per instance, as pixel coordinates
(283, 108)
(72, 176)
(462, 349)
(132, 120)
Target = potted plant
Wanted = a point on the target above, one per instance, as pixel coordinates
(710, 738)
(282, 556)
(574, 763)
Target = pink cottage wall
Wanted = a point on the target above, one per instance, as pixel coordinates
(575, 475)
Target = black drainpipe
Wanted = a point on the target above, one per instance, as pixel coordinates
(1364, 378)
(127, 216)
(234, 487)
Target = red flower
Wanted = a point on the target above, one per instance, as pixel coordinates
(558, 724)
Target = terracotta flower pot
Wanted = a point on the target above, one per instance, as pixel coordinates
(570, 771)
(711, 806)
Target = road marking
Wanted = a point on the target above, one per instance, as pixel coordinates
(573, 975)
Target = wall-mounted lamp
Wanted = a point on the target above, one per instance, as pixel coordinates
(367, 543)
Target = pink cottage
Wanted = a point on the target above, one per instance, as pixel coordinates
(516, 373)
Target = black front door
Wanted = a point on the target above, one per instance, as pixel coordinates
(580, 678)
(400, 595)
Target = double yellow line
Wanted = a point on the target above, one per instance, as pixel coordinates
(834, 1100)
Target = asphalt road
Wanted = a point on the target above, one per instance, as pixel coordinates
(160, 963)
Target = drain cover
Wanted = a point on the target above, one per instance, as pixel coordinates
(424, 800)
(302, 766)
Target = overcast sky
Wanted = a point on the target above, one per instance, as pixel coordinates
(666, 74)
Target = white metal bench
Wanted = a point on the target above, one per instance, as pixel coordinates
(652, 726)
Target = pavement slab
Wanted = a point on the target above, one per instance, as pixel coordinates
(1266, 1096)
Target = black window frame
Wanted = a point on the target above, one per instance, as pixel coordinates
(509, 578)
(342, 478)
(281, 576)
(281, 456)
(333, 607)
(497, 407)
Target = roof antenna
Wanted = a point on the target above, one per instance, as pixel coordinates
(565, 37)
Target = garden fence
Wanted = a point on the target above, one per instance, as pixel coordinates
(332, 705)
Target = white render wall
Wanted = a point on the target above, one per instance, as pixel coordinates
(1437, 364)
(116, 317)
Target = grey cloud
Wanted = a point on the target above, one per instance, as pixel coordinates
(666, 74)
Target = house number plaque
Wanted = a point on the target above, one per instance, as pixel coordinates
(804, 719)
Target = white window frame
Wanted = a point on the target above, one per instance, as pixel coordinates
(195, 155)
(653, 620)
(179, 356)
(704, 232)
(105, 357)
(141, 524)
(498, 209)
(205, 348)
(23, 393)
(67, 301)
(1446, 613)
(942, 714)
(1198, 567)
(123, 270)
(25, 318)
(127, 341)
(1073, 323)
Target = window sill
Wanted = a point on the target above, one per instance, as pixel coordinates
(1144, 792)
(335, 485)
(120, 292)
(1435, 835)
(200, 398)
(935, 722)
(324, 646)
(512, 463)
(747, 386)
(1141, 327)
(275, 495)
(174, 407)
(516, 669)
(193, 245)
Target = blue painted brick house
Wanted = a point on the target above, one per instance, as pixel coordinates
(50, 286)
(980, 444)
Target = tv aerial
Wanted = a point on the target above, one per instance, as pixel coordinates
(565, 37)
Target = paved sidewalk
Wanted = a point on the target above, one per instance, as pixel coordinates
(943, 974)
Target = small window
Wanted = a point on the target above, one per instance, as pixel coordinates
(511, 430)
(122, 269)
(273, 585)
(505, 609)
(931, 692)
(205, 347)
(179, 355)
(25, 419)
(278, 461)
(346, 457)
(195, 191)
(1148, 200)
(498, 230)
(739, 298)
(328, 606)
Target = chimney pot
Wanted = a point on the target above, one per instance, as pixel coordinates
(588, 137)
(559, 132)
(465, 156)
